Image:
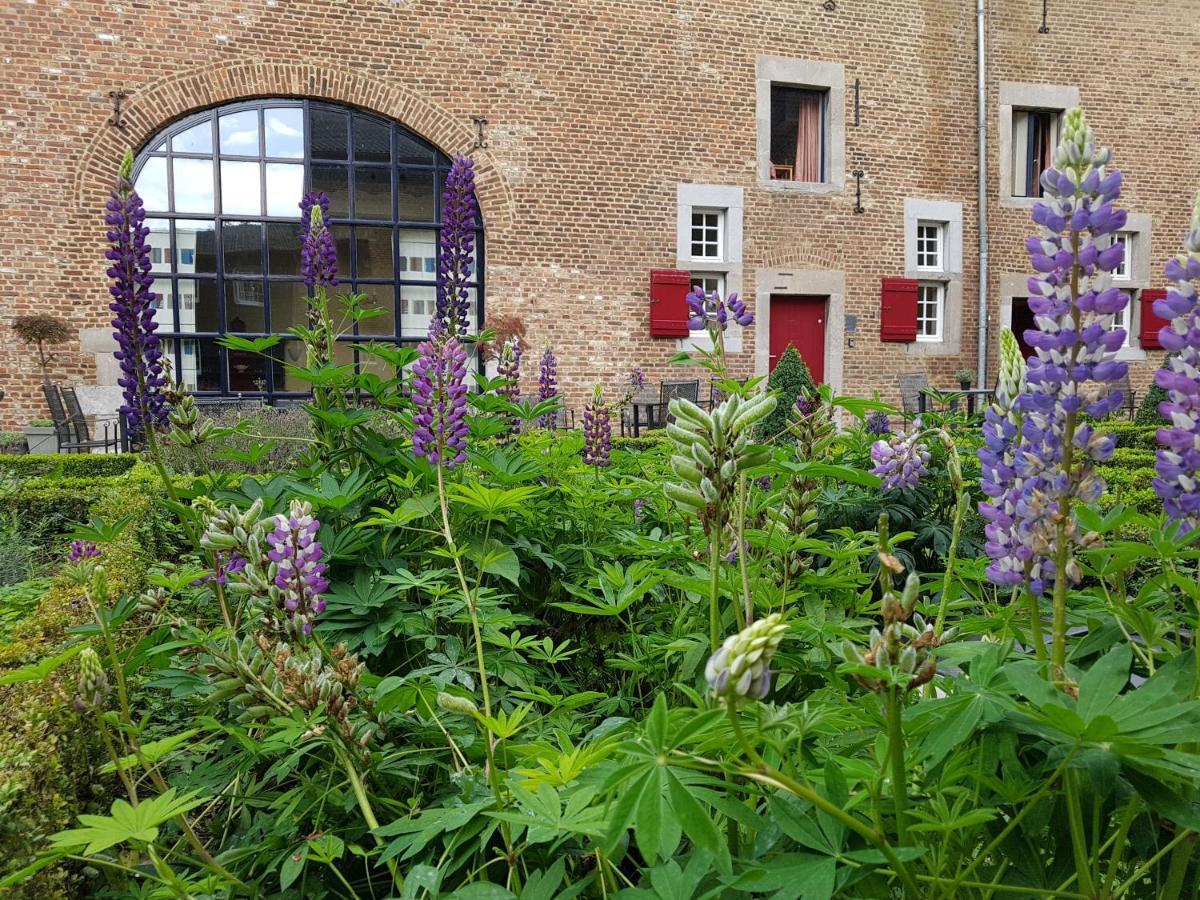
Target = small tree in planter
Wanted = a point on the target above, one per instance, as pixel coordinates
(42, 330)
(964, 377)
(788, 380)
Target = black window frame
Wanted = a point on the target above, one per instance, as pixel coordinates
(159, 146)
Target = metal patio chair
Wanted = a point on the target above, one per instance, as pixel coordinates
(79, 439)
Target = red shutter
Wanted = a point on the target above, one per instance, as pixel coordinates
(668, 302)
(898, 312)
(1151, 322)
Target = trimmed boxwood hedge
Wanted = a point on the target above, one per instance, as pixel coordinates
(67, 465)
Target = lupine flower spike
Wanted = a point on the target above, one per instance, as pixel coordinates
(902, 461)
(547, 383)
(597, 431)
(456, 259)
(298, 573)
(741, 669)
(93, 682)
(318, 256)
(1178, 465)
(142, 379)
(82, 550)
(440, 397)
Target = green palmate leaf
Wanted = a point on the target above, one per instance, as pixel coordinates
(1101, 684)
(494, 558)
(154, 751)
(491, 502)
(695, 821)
(126, 823)
(248, 345)
(38, 671)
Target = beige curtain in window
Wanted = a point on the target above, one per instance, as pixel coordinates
(808, 137)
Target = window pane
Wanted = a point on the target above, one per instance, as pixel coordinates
(159, 240)
(242, 243)
(151, 185)
(797, 116)
(328, 139)
(289, 305)
(163, 305)
(412, 151)
(372, 193)
(334, 182)
(239, 133)
(417, 303)
(192, 180)
(372, 140)
(197, 139)
(418, 255)
(374, 252)
(196, 244)
(241, 191)
(244, 307)
(199, 367)
(186, 299)
(416, 195)
(283, 248)
(379, 296)
(284, 134)
(285, 187)
(247, 372)
(201, 295)
(341, 245)
(290, 353)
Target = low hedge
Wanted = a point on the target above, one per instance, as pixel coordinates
(1129, 434)
(45, 748)
(67, 465)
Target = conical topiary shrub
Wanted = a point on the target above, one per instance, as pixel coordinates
(1148, 413)
(791, 376)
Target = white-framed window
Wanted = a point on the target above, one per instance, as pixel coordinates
(1123, 318)
(1129, 240)
(931, 306)
(1034, 137)
(708, 234)
(931, 242)
(709, 282)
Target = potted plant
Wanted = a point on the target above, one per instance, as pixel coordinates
(41, 436)
(964, 377)
(42, 330)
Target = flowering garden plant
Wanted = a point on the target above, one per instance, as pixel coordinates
(450, 657)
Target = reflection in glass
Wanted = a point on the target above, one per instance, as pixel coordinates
(207, 311)
(196, 246)
(242, 243)
(186, 298)
(289, 305)
(247, 372)
(193, 183)
(341, 243)
(416, 309)
(151, 185)
(283, 248)
(334, 182)
(410, 151)
(328, 139)
(284, 132)
(381, 297)
(239, 133)
(285, 187)
(372, 193)
(374, 252)
(372, 140)
(241, 194)
(197, 139)
(245, 309)
(289, 356)
(418, 255)
(159, 241)
(415, 195)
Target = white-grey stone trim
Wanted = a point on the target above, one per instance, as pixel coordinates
(1020, 95)
(711, 196)
(808, 73)
(819, 282)
(949, 214)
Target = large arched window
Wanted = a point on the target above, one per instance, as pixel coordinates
(222, 190)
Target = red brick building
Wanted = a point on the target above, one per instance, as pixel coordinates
(797, 152)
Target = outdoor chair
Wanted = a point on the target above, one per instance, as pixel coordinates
(911, 386)
(1128, 396)
(74, 436)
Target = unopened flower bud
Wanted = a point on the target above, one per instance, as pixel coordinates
(456, 704)
(740, 669)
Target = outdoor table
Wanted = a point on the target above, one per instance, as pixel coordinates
(984, 394)
(641, 411)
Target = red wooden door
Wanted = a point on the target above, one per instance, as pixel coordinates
(799, 320)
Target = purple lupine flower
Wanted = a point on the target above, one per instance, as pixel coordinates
(597, 431)
(547, 383)
(297, 570)
(318, 256)
(637, 379)
(1011, 559)
(228, 563)
(901, 461)
(765, 482)
(804, 404)
(639, 509)
(878, 423)
(710, 311)
(1178, 463)
(440, 398)
(143, 380)
(460, 212)
(81, 550)
(1073, 370)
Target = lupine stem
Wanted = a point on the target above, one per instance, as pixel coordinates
(1083, 863)
(960, 509)
(894, 702)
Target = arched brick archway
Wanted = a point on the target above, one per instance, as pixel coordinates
(149, 108)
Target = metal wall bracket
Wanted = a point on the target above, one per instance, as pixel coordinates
(480, 135)
(858, 177)
(117, 119)
(1045, 29)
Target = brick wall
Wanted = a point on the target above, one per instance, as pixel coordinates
(596, 110)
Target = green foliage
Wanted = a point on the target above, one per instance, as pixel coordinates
(67, 465)
(1147, 412)
(789, 378)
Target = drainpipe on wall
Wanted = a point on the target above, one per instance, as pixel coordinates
(981, 103)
